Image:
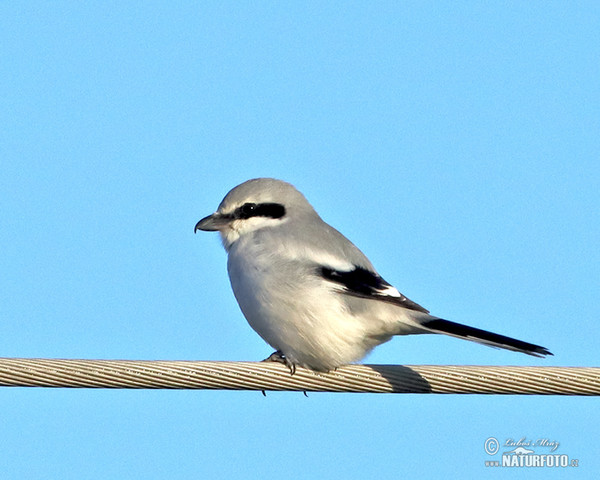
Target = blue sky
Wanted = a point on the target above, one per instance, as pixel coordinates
(457, 144)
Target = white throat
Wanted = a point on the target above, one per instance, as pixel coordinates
(240, 228)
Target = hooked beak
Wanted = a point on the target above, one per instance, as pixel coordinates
(212, 223)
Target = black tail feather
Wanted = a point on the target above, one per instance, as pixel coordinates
(482, 336)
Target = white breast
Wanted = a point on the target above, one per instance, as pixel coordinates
(295, 310)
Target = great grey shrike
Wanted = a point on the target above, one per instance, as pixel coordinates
(308, 291)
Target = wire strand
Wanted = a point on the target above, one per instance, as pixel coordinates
(463, 379)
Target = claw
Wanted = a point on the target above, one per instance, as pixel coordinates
(279, 357)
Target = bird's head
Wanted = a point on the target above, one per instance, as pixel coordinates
(256, 204)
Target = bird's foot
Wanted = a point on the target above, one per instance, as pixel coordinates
(279, 357)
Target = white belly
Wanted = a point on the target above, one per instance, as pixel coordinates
(292, 309)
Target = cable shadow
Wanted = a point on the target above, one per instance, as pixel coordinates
(403, 379)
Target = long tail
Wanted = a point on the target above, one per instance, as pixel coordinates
(458, 330)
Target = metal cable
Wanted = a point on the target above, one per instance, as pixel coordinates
(37, 372)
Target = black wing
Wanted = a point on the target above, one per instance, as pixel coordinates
(361, 282)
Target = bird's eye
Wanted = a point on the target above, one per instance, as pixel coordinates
(247, 210)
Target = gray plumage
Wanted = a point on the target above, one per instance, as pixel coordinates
(308, 291)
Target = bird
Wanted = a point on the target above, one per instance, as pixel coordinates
(308, 291)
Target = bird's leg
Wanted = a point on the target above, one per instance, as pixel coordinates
(279, 357)
(275, 357)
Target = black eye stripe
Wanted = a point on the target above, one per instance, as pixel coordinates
(268, 210)
(247, 210)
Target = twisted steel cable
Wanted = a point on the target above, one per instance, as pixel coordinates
(37, 372)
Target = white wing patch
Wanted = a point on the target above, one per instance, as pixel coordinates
(364, 283)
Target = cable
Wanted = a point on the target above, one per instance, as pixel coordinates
(35, 372)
